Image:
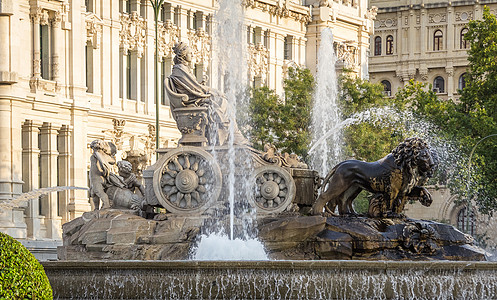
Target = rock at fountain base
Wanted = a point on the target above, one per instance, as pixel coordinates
(121, 235)
(298, 238)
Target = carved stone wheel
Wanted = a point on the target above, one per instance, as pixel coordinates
(188, 180)
(274, 189)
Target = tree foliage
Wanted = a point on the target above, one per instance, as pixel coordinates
(283, 122)
(367, 140)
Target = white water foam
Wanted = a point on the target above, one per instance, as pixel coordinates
(218, 246)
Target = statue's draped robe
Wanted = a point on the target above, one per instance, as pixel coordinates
(182, 81)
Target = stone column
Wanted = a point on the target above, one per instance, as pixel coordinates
(35, 17)
(63, 174)
(48, 164)
(56, 40)
(30, 172)
(423, 32)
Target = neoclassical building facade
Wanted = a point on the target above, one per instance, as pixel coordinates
(423, 40)
(72, 71)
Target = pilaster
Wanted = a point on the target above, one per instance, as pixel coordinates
(30, 174)
(48, 172)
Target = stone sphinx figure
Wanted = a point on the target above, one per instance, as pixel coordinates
(202, 105)
(393, 180)
(115, 191)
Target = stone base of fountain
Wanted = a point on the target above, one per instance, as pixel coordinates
(121, 235)
(366, 239)
(272, 280)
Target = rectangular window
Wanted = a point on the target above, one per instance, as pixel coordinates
(128, 76)
(89, 5)
(143, 82)
(143, 8)
(121, 74)
(89, 67)
(288, 48)
(177, 16)
(128, 7)
(266, 39)
(45, 51)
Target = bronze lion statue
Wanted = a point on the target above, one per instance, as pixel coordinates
(393, 180)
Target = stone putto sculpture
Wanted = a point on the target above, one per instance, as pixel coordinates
(100, 169)
(115, 191)
(200, 111)
(393, 180)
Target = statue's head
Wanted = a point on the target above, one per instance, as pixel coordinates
(183, 53)
(107, 147)
(125, 168)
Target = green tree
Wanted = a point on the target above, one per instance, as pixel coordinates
(368, 140)
(284, 123)
(263, 115)
(293, 127)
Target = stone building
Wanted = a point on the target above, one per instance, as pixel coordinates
(422, 40)
(72, 71)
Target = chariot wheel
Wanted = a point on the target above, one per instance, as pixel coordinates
(274, 189)
(187, 181)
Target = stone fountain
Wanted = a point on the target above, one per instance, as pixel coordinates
(139, 243)
(190, 183)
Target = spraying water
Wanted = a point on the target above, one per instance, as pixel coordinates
(17, 201)
(229, 55)
(325, 112)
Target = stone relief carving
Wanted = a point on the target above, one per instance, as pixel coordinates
(94, 27)
(437, 18)
(385, 23)
(168, 36)
(371, 13)
(200, 44)
(258, 60)
(347, 53)
(133, 33)
(464, 16)
(280, 9)
(117, 135)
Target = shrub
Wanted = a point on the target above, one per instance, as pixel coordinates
(21, 275)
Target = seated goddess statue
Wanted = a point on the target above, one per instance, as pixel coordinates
(182, 81)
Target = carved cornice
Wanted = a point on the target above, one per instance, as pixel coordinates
(258, 60)
(280, 8)
(200, 43)
(168, 36)
(94, 28)
(133, 33)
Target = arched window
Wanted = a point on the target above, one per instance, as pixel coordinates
(439, 85)
(377, 46)
(438, 40)
(464, 224)
(462, 81)
(387, 87)
(463, 42)
(389, 45)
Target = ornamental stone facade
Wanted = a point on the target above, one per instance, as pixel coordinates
(422, 40)
(72, 71)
